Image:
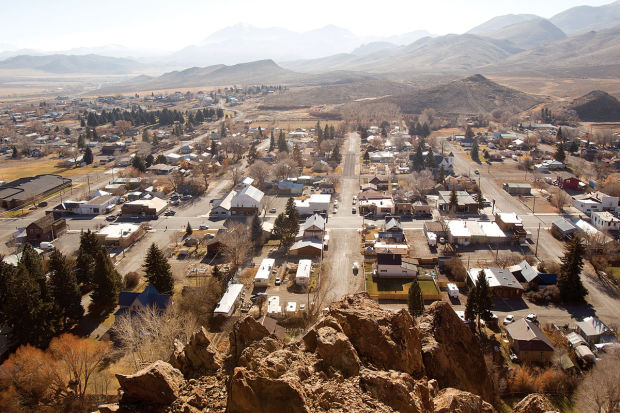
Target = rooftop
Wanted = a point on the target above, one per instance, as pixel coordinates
(228, 299)
(592, 326)
(496, 277)
(529, 336)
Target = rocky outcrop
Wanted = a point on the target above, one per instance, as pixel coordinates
(159, 383)
(250, 392)
(457, 401)
(358, 358)
(398, 390)
(244, 333)
(451, 352)
(386, 340)
(534, 403)
(196, 357)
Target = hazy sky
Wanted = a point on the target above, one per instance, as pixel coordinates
(173, 24)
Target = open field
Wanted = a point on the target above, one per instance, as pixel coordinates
(564, 89)
(15, 169)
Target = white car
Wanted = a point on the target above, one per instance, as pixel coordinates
(302, 307)
(509, 319)
(531, 317)
(356, 267)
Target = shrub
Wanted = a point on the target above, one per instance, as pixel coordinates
(523, 381)
(549, 267)
(455, 269)
(544, 296)
(132, 279)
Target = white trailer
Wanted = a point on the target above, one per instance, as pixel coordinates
(432, 239)
(453, 290)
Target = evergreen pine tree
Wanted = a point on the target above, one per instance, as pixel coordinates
(569, 278)
(272, 141)
(188, 229)
(475, 156)
(479, 199)
(34, 264)
(470, 306)
(560, 155)
(107, 285)
(454, 200)
(484, 299)
(81, 141)
(415, 300)
(326, 133)
(469, 132)
(138, 163)
(88, 156)
(297, 156)
(148, 161)
(85, 263)
(282, 145)
(157, 270)
(252, 154)
(214, 150)
(256, 229)
(418, 160)
(65, 290)
(223, 130)
(441, 175)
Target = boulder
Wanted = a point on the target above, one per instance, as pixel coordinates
(457, 401)
(387, 340)
(451, 352)
(397, 390)
(244, 333)
(335, 350)
(250, 392)
(158, 383)
(196, 357)
(534, 403)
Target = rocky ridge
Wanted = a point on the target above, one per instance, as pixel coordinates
(357, 358)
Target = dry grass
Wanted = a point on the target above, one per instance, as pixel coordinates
(21, 168)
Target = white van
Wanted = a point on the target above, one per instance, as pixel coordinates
(46, 246)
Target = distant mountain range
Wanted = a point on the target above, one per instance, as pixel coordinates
(585, 18)
(63, 64)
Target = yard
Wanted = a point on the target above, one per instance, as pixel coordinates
(398, 289)
(15, 169)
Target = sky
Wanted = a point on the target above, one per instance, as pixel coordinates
(165, 25)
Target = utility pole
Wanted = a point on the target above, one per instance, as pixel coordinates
(537, 237)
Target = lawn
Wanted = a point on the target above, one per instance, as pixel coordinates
(19, 169)
(398, 288)
(615, 272)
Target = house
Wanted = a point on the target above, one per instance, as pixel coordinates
(466, 142)
(261, 279)
(327, 188)
(315, 203)
(529, 342)
(393, 265)
(144, 208)
(570, 183)
(244, 183)
(313, 227)
(46, 228)
(510, 222)
(605, 221)
(120, 234)
(131, 302)
(527, 274)
(228, 303)
(23, 191)
(596, 201)
(113, 149)
(595, 331)
(311, 247)
(221, 207)
(186, 149)
(549, 165)
(563, 228)
(462, 232)
(162, 169)
(381, 157)
(465, 202)
(248, 201)
(437, 228)
(302, 276)
(173, 158)
(422, 208)
(393, 225)
(380, 183)
(501, 282)
(517, 188)
(290, 188)
(98, 205)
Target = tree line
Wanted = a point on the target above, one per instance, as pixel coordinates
(138, 116)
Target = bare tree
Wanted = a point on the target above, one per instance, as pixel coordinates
(122, 126)
(260, 171)
(599, 392)
(267, 203)
(237, 243)
(237, 145)
(235, 174)
(559, 199)
(176, 179)
(283, 169)
(203, 169)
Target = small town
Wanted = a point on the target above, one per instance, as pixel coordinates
(260, 243)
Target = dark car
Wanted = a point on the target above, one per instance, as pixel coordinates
(111, 218)
(170, 213)
(42, 204)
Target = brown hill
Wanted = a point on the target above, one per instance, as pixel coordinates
(472, 95)
(597, 106)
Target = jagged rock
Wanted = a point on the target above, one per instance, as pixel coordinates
(387, 340)
(397, 390)
(207, 393)
(309, 339)
(258, 350)
(196, 357)
(159, 383)
(108, 408)
(252, 393)
(534, 403)
(244, 333)
(457, 401)
(335, 349)
(451, 352)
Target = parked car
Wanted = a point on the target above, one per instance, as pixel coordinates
(442, 240)
(531, 317)
(42, 204)
(111, 218)
(203, 227)
(170, 213)
(278, 281)
(272, 211)
(186, 197)
(477, 172)
(353, 210)
(509, 319)
(46, 246)
(302, 307)
(356, 267)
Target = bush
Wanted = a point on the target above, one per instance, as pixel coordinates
(549, 267)
(132, 279)
(455, 269)
(600, 263)
(544, 296)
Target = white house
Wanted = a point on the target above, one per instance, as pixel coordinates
(261, 279)
(247, 201)
(221, 207)
(173, 158)
(381, 157)
(226, 306)
(390, 264)
(316, 202)
(596, 201)
(97, 205)
(302, 277)
(605, 221)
